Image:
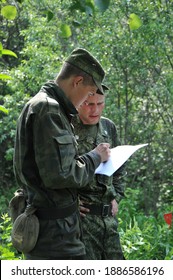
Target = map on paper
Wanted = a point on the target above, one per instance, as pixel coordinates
(119, 155)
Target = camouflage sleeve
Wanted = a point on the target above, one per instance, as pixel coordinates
(55, 154)
(118, 176)
(118, 183)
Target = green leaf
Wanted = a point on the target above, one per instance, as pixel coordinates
(20, 1)
(65, 31)
(5, 77)
(85, 6)
(8, 52)
(9, 12)
(102, 4)
(134, 21)
(50, 15)
(4, 110)
(77, 5)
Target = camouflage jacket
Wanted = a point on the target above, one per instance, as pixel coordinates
(46, 157)
(102, 188)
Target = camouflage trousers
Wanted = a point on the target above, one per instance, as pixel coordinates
(101, 238)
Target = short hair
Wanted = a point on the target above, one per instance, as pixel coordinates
(69, 70)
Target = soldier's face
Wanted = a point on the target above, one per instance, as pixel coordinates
(80, 92)
(90, 111)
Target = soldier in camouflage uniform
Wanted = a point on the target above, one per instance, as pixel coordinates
(102, 195)
(46, 161)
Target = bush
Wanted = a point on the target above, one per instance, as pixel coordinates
(7, 252)
(143, 237)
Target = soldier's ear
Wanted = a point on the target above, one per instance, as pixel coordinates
(78, 80)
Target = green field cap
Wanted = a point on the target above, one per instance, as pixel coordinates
(84, 60)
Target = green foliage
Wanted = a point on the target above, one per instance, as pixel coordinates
(2, 109)
(86, 6)
(134, 22)
(4, 77)
(143, 237)
(139, 73)
(147, 239)
(8, 52)
(8, 116)
(9, 12)
(65, 31)
(102, 4)
(138, 64)
(7, 252)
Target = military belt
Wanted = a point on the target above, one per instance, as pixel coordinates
(103, 210)
(53, 213)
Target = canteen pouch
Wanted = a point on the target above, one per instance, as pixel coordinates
(25, 230)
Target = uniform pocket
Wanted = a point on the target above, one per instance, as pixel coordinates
(69, 227)
(67, 152)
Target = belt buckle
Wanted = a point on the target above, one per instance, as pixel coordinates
(105, 210)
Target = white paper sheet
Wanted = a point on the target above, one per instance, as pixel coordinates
(119, 155)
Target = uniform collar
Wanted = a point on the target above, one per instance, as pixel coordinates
(58, 94)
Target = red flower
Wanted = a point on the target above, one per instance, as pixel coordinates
(168, 218)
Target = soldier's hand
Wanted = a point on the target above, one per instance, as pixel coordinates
(114, 207)
(83, 210)
(104, 151)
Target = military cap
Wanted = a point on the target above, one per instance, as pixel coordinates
(104, 89)
(84, 60)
